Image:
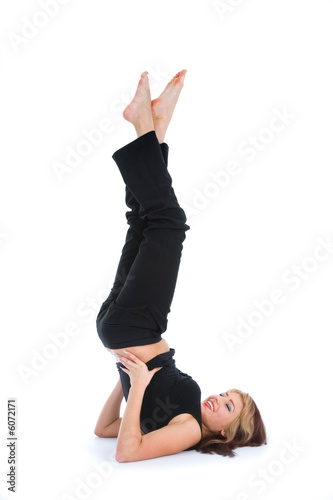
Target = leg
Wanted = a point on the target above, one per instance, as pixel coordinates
(133, 238)
(135, 257)
(138, 315)
(145, 115)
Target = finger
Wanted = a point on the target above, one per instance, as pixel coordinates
(126, 361)
(133, 357)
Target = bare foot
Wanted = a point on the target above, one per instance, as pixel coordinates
(162, 108)
(138, 112)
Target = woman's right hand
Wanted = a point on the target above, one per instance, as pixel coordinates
(137, 370)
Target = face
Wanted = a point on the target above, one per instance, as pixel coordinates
(224, 408)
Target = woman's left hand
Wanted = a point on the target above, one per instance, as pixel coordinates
(137, 370)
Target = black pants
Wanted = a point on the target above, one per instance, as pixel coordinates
(135, 312)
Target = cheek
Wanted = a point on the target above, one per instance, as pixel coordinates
(224, 415)
(220, 415)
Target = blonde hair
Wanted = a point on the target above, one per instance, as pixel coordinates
(246, 430)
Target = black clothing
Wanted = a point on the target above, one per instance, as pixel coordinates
(169, 393)
(135, 312)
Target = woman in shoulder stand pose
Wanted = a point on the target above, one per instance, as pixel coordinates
(164, 414)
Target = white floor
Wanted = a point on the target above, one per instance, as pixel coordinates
(60, 457)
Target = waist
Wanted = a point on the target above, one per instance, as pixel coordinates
(145, 352)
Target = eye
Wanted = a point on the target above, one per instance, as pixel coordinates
(228, 406)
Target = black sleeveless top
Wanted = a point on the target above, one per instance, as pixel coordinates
(169, 393)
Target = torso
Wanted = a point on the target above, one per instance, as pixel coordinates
(147, 352)
(144, 352)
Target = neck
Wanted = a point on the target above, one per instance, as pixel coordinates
(206, 432)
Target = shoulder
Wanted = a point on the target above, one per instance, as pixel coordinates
(189, 422)
(188, 388)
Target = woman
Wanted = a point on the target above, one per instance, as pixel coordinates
(163, 414)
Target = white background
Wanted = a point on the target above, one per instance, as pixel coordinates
(61, 235)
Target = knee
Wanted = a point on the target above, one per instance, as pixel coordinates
(178, 218)
(183, 218)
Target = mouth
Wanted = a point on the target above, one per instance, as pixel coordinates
(209, 405)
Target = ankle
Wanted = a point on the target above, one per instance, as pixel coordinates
(160, 129)
(160, 136)
(144, 125)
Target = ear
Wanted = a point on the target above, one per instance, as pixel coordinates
(223, 433)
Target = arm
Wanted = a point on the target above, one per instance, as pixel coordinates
(171, 439)
(109, 421)
(130, 436)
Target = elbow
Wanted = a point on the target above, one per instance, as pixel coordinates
(98, 432)
(120, 456)
(121, 459)
(123, 456)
